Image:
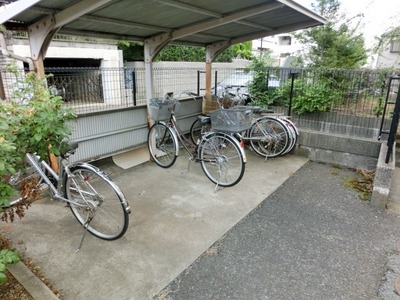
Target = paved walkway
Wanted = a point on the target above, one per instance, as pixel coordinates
(291, 229)
(176, 217)
(313, 238)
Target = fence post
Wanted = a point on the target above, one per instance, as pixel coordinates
(134, 87)
(393, 127)
(292, 76)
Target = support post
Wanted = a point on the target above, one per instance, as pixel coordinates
(152, 46)
(212, 52)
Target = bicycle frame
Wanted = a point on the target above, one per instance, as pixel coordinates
(64, 170)
(178, 136)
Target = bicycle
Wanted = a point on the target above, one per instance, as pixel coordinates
(268, 136)
(95, 200)
(220, 155)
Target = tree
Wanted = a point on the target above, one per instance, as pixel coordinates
(243, 50)
(260, 93)
(335, 44)
(134, 51)
(131, 51)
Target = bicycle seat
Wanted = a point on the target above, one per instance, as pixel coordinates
(263, 111)
(204, 119)
(67, 147)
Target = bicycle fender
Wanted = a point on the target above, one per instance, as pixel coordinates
(174, 136)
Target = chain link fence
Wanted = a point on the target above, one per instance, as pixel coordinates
(328, 100)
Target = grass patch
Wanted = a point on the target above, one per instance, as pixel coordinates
(362, 184)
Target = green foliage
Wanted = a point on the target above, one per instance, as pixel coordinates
(131, 51)
(182, 53)
(7, 257)
(134, 51)
(334, 45)
(258, 88)
(243, 50)
(34, 121)
(309, 96)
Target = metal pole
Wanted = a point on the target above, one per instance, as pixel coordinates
(393, 127)
(134, 87)
(291, 93)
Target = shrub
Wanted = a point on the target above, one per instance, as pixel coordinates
(308, 96)
(33, 121)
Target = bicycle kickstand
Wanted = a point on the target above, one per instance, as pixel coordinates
(189, 163)
(216, 189)
(86, 225)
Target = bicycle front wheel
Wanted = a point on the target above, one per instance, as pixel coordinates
(221, 159)
(96, 203)
(269, 137)
(162, 145)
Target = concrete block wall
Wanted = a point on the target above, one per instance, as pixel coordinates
(343, 150)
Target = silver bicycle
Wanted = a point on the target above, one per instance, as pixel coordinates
(221, 156)
(94, 199)
(268, 136)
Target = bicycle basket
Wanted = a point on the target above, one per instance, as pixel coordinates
(231, 120)
(160, 110)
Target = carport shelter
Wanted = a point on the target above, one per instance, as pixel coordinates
(212, 24)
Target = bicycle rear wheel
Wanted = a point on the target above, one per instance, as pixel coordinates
(293, 133)
(269, 137)
(197, 129)
(221, 159)
(97, 202)
(162, 145)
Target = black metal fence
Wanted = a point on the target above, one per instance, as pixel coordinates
(342, 100)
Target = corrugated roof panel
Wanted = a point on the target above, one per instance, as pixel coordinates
(200, 23)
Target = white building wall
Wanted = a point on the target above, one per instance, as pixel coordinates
(109, 56)
(281, 45)
(389, 58)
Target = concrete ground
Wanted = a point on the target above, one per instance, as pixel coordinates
(313, 238)
(176, 216)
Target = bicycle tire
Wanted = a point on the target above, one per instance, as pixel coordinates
(221, 159)
(198, 129)
(293, 133)
(269, 137)
(162, 145)
(102, 199)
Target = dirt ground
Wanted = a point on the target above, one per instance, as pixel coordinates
(12, 289)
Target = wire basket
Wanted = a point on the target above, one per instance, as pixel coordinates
(160, 110)
(231, 119)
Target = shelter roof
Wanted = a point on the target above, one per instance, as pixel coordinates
(197, 23)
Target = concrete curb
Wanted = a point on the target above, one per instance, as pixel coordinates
(383, 178)
(34, 286)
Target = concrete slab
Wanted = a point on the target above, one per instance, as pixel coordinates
(176, 216)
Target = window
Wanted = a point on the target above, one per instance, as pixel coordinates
(285, 40)
(395, 46)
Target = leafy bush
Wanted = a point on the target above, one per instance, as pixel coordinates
(308, 96)
(7, 257)
(258, 87)
(34, 121)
